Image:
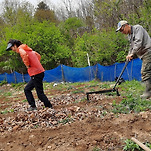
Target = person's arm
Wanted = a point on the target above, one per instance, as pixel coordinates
(24, 57)
(137, 44)
(137, 41)
(38, 55)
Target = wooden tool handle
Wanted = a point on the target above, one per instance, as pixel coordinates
(140, 144)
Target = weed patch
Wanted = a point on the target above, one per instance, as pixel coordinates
(96, 149)
(66, 120)
(131, 146)
(131, 102)
(7, 111)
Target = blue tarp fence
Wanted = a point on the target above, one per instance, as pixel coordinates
(72, 74)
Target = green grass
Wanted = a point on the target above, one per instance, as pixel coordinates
(18, 86)
(132, 87)
(105, 85)
(77, 91)
(24, 100)
(7, 94)
(3, 82)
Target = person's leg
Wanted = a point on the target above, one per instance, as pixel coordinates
(147, 92)
(146, 75)
(29, 96)
(38, 83)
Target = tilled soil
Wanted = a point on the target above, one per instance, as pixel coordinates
(72, 125)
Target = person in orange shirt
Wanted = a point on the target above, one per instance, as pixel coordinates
(31, 60)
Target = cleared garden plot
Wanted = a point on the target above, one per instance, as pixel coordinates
(106, 122)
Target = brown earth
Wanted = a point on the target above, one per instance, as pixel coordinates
(73, 125)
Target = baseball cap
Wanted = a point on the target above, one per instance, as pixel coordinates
(120, 24)
(10, 44)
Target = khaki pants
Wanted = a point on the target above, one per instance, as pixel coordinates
(146, 66)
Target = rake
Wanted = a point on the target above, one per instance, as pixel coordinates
(114, 89)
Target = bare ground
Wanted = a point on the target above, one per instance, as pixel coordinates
(72, 125)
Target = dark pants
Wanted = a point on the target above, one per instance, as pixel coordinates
(36, 82)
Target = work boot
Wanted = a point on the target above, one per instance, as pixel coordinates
(147, 93)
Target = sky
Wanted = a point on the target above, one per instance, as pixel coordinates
(35, 2)
(56, 3)
(53, 4)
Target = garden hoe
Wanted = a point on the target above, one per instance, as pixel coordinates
(114, 89)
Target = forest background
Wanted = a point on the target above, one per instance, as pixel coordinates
(65, 34)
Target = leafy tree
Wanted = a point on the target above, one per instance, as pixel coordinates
(15, 17)
(44, 37)
(43, 6)
(71, 29)
(103, 47)
(15, 12)
(47, 39)
(69, 41)
(1, 21)
(90, 23)
(109, 12)
(144, 19)
(43, 12)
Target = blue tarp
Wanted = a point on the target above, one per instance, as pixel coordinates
(136, 69)
(10, 78)
(26, 77)
(105, 73)
(72, 74)
(19, 77)
(3, 77)
(54, 75)
(126, 73)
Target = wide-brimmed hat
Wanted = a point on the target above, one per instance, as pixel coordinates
(120, 24)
